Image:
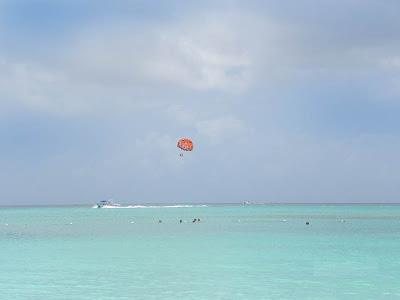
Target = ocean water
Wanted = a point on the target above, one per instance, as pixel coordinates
(235, 252)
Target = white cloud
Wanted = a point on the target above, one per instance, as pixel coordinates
(129, 65)
(192, 54)
(221, 129)
(181, 115)
(391, 62)
(37, 87)
(120, 66)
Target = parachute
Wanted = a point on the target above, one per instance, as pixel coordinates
(185, 144)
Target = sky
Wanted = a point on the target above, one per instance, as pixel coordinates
(294, 101)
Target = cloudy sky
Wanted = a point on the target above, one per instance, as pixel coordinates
(285, 102)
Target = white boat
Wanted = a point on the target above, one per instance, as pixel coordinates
(107, 204)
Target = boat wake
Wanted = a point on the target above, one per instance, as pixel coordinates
(154, 206)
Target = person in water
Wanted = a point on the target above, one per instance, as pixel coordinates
(159, 221)
(194, 220)
(180, 221)
(198, 219)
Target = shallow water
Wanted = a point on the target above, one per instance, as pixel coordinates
(235, 252)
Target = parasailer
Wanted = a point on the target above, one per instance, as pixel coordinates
(185, 144)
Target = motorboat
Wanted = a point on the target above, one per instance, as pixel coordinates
(107, 204)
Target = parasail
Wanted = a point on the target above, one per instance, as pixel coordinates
(185, 144)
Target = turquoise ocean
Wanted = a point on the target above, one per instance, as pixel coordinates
(234, 252)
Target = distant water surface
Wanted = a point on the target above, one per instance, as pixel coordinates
(234, 252)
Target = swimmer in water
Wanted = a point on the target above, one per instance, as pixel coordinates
(307, 223)
(198, 219)
(159, 221)
(180, 221)
(194, 220)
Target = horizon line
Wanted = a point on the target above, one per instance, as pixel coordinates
(203, 203)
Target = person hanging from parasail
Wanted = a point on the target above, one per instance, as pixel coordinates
(185, 144)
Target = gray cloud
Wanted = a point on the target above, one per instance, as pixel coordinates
(263, 89)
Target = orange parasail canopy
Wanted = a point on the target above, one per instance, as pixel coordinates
(185, 144)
